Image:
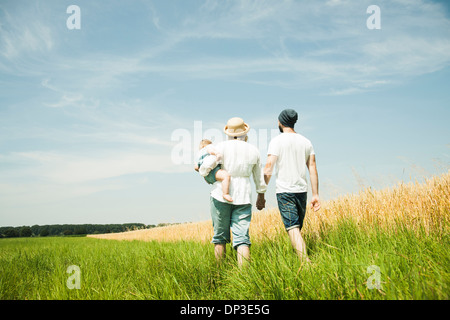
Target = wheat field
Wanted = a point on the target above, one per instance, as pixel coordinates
(415, 206)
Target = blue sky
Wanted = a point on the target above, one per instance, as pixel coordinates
(88, 117)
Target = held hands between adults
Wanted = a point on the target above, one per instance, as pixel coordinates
(260, 202)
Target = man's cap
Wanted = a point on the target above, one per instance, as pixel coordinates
(288, 118)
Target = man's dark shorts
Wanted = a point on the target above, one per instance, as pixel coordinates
(292, 208)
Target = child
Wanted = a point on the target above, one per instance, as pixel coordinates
(209, 168)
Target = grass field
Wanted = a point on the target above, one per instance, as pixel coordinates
(403, 231)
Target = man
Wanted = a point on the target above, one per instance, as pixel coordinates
(293, 154)
(241, 160)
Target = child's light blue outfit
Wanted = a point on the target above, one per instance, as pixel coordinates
(209, 161)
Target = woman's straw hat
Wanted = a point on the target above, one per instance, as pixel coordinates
(236, 127)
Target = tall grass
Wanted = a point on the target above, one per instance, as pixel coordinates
(404, 231)
(37, 269)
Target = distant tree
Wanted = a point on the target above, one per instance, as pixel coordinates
(80, 230)
(36, 229)
(69, 229)
(11, 232)
(163, 224)
(25, 232)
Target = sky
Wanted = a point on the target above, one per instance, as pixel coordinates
(100, 122)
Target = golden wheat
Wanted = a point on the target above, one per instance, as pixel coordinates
(415, 206)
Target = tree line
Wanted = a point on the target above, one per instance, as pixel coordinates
(71, 229)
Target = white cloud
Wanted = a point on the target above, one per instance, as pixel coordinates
(346, 91)
(24, 36)
(300, 42)
(318, 44)
(66, 100)
(61, 168)
(45, 83)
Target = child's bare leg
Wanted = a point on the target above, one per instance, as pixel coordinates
(224, 177)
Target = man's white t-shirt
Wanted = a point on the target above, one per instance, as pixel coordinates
(293, 151)
(241, 160)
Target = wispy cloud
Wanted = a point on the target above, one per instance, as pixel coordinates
(28, 39)
(63, 168)
(295, 42)
(24, 34)
(314, 43)
(44, 177)
(66, 100)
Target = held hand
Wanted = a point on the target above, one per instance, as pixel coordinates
(260, 202)
(315, 203)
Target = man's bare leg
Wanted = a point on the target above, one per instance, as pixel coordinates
(224, 177)
(298, 244)
(219, 252)
(243, 255)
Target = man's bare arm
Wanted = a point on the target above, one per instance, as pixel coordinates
(314, 177)
(261, 187)
(268, 169)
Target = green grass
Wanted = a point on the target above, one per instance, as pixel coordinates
(413, 265)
